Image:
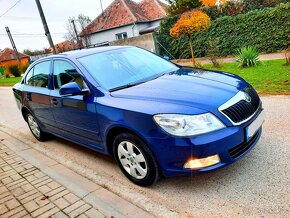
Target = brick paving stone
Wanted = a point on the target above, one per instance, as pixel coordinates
(53, 185)
(11, 204)
(5, 199)
(26, 191)
(15, 177)
(80, 210)
(3, 209)
(44, 189)
(57, 193)
(94, 213)
(42, 210)
(21, 213)
(27, 194)
(49, 213)
(74, 206)
(28, 187)
(71, 198)
(12, 212)
(82, 216)
(3, 189)
(18, 191)
(7, 180)
(61, 203)
(39, 174)
(31, 206)
(59, 215)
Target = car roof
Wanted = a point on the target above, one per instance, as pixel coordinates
(87, 51)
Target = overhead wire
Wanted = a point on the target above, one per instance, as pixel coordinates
(10, 8)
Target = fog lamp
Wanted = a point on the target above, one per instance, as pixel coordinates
(201, 163)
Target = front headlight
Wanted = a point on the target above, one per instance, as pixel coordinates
(188, 125)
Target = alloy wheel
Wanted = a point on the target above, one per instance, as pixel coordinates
(132, 160)
(33, 126)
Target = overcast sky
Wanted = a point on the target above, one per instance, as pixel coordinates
(25, 25)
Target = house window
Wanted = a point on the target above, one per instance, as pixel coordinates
(121, 36)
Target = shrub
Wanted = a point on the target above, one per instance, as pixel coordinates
(248, 57)
(213, 54)
(1, 71)
(23, 68)
(266, 29)
(14, 70)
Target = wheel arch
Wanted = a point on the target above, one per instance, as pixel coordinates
(24, 111)
(116, 130)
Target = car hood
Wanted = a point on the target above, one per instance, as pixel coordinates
(198, 88)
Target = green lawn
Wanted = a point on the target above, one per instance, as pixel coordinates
(270, 77)
(9, 81)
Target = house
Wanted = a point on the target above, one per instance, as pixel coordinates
(124, 19)
(65, 46)
(8, 57)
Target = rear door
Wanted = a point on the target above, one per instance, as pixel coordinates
(76, 115)
(36, 93)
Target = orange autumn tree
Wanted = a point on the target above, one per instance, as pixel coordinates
(189, 23)
(211, 2)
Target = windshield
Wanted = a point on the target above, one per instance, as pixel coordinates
(126, 66)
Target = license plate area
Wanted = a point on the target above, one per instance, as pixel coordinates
(255, 125)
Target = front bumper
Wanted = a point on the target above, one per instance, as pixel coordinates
(229, 143)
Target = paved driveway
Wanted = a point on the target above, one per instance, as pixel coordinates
(257, 185)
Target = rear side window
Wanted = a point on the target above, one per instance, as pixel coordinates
(38, 75)
(64, 72)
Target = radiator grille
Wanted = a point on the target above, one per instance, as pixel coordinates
(243, 109)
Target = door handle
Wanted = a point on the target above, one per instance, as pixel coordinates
(28, 96)
(54, 101)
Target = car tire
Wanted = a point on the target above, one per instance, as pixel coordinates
(35, 128)
(135, 160)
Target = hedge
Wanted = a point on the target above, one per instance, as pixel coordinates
(266, 29)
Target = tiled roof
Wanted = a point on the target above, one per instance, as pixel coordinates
(122, 12)
(153, 9)
(8, 54)
(66, 46)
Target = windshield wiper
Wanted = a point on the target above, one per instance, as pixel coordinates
(125, 86)
(137, 83)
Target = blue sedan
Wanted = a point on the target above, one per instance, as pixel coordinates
(154, 117)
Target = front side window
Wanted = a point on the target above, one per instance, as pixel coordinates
(64, 72)
(38, 75)
(28, 80)
(121, 67)
(121, 36)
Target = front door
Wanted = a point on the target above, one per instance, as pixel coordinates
(74, 115)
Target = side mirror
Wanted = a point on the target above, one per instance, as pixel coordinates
(72, 89)
(166, 58)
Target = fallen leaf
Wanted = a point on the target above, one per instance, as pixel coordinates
(44, 197)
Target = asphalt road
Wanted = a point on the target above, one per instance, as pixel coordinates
(256, 186)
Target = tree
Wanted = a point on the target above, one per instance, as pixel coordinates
(176, 7)
(189, 23)
(212, 2)
(81, 23)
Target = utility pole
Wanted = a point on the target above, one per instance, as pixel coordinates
(47, 33)
(75, 29)
(12, 43)
(101, 6)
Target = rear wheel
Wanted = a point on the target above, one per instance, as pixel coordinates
(35, 129)
(135, 159)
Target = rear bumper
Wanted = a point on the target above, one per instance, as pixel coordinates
(229, 143)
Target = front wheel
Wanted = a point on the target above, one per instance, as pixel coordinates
(35, 129)
(135, 159)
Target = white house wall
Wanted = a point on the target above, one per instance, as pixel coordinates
(110, 35)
